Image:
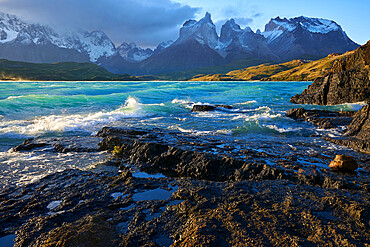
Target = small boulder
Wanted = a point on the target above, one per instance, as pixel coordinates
(203, 108)
(296, 113)
(343, 163)
(225, 106)
(198, 108)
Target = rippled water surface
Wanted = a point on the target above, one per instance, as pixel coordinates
(47, 109)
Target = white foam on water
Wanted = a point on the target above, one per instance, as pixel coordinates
(257, 116)
(15, 97)
(28, 167)
(185, 103)
(352, 106)
(247, 102)
(202, 132)
(282, 130)
(181, 101)
(75, 122)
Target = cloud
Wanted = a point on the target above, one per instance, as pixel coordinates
(145, 22)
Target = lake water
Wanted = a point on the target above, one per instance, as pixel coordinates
(53, 109)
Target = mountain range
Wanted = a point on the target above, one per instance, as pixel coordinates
(198, 45)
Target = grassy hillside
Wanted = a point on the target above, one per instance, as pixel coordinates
(309, 71)
(222, 69)
(296, 70)
(66, 71)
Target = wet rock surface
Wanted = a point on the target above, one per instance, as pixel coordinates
(62, 144)
(357, 125)
(347, 82)
(322, 118)
(357, 135)
(214, 193)
(200, 108)
(103, 210)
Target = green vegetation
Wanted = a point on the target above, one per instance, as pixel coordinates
(66, 71)
(117, 151)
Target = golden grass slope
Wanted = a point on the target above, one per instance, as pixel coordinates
(295, 70)
(309, 71)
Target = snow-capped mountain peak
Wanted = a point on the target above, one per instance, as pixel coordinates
(93, 44)
(206, 19)
(163, 46)
(305, 35)
(230, 24)
(204, 31)
(96, 44)
(132, 53)
(317, 25)
(277, 26)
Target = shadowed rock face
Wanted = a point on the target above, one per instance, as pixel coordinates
(360, 126)
(358, 132)
(347, 82)
(323, 119)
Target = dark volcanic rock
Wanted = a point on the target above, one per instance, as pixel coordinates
(182, 161)
(163, 152)
(199, 108)
(62, 145)
(360, 126)
(322, 118)
(220, 199)
(28, 145)
(104, 210)
(347, 82)
(203, 108)
(358, 132)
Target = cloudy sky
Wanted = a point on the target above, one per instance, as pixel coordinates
(149, 22)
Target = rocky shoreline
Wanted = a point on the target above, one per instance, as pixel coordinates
(348, 81)
(169, 188)
(177, 189)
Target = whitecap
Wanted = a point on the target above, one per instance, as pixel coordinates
(15, 97)
(74, 122)
(247, 102)
(281, 130)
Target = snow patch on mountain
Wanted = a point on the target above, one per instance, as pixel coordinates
(272, 35)
(132, 53)
(204, 31)
(163, 46)
(318, 25)
(95, 44)
(8, 35)
(278, 26)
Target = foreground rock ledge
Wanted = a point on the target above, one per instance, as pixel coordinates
(102, 210)
(209, 199)
(191, 159)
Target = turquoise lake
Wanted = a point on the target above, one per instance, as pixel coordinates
(48, 109)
